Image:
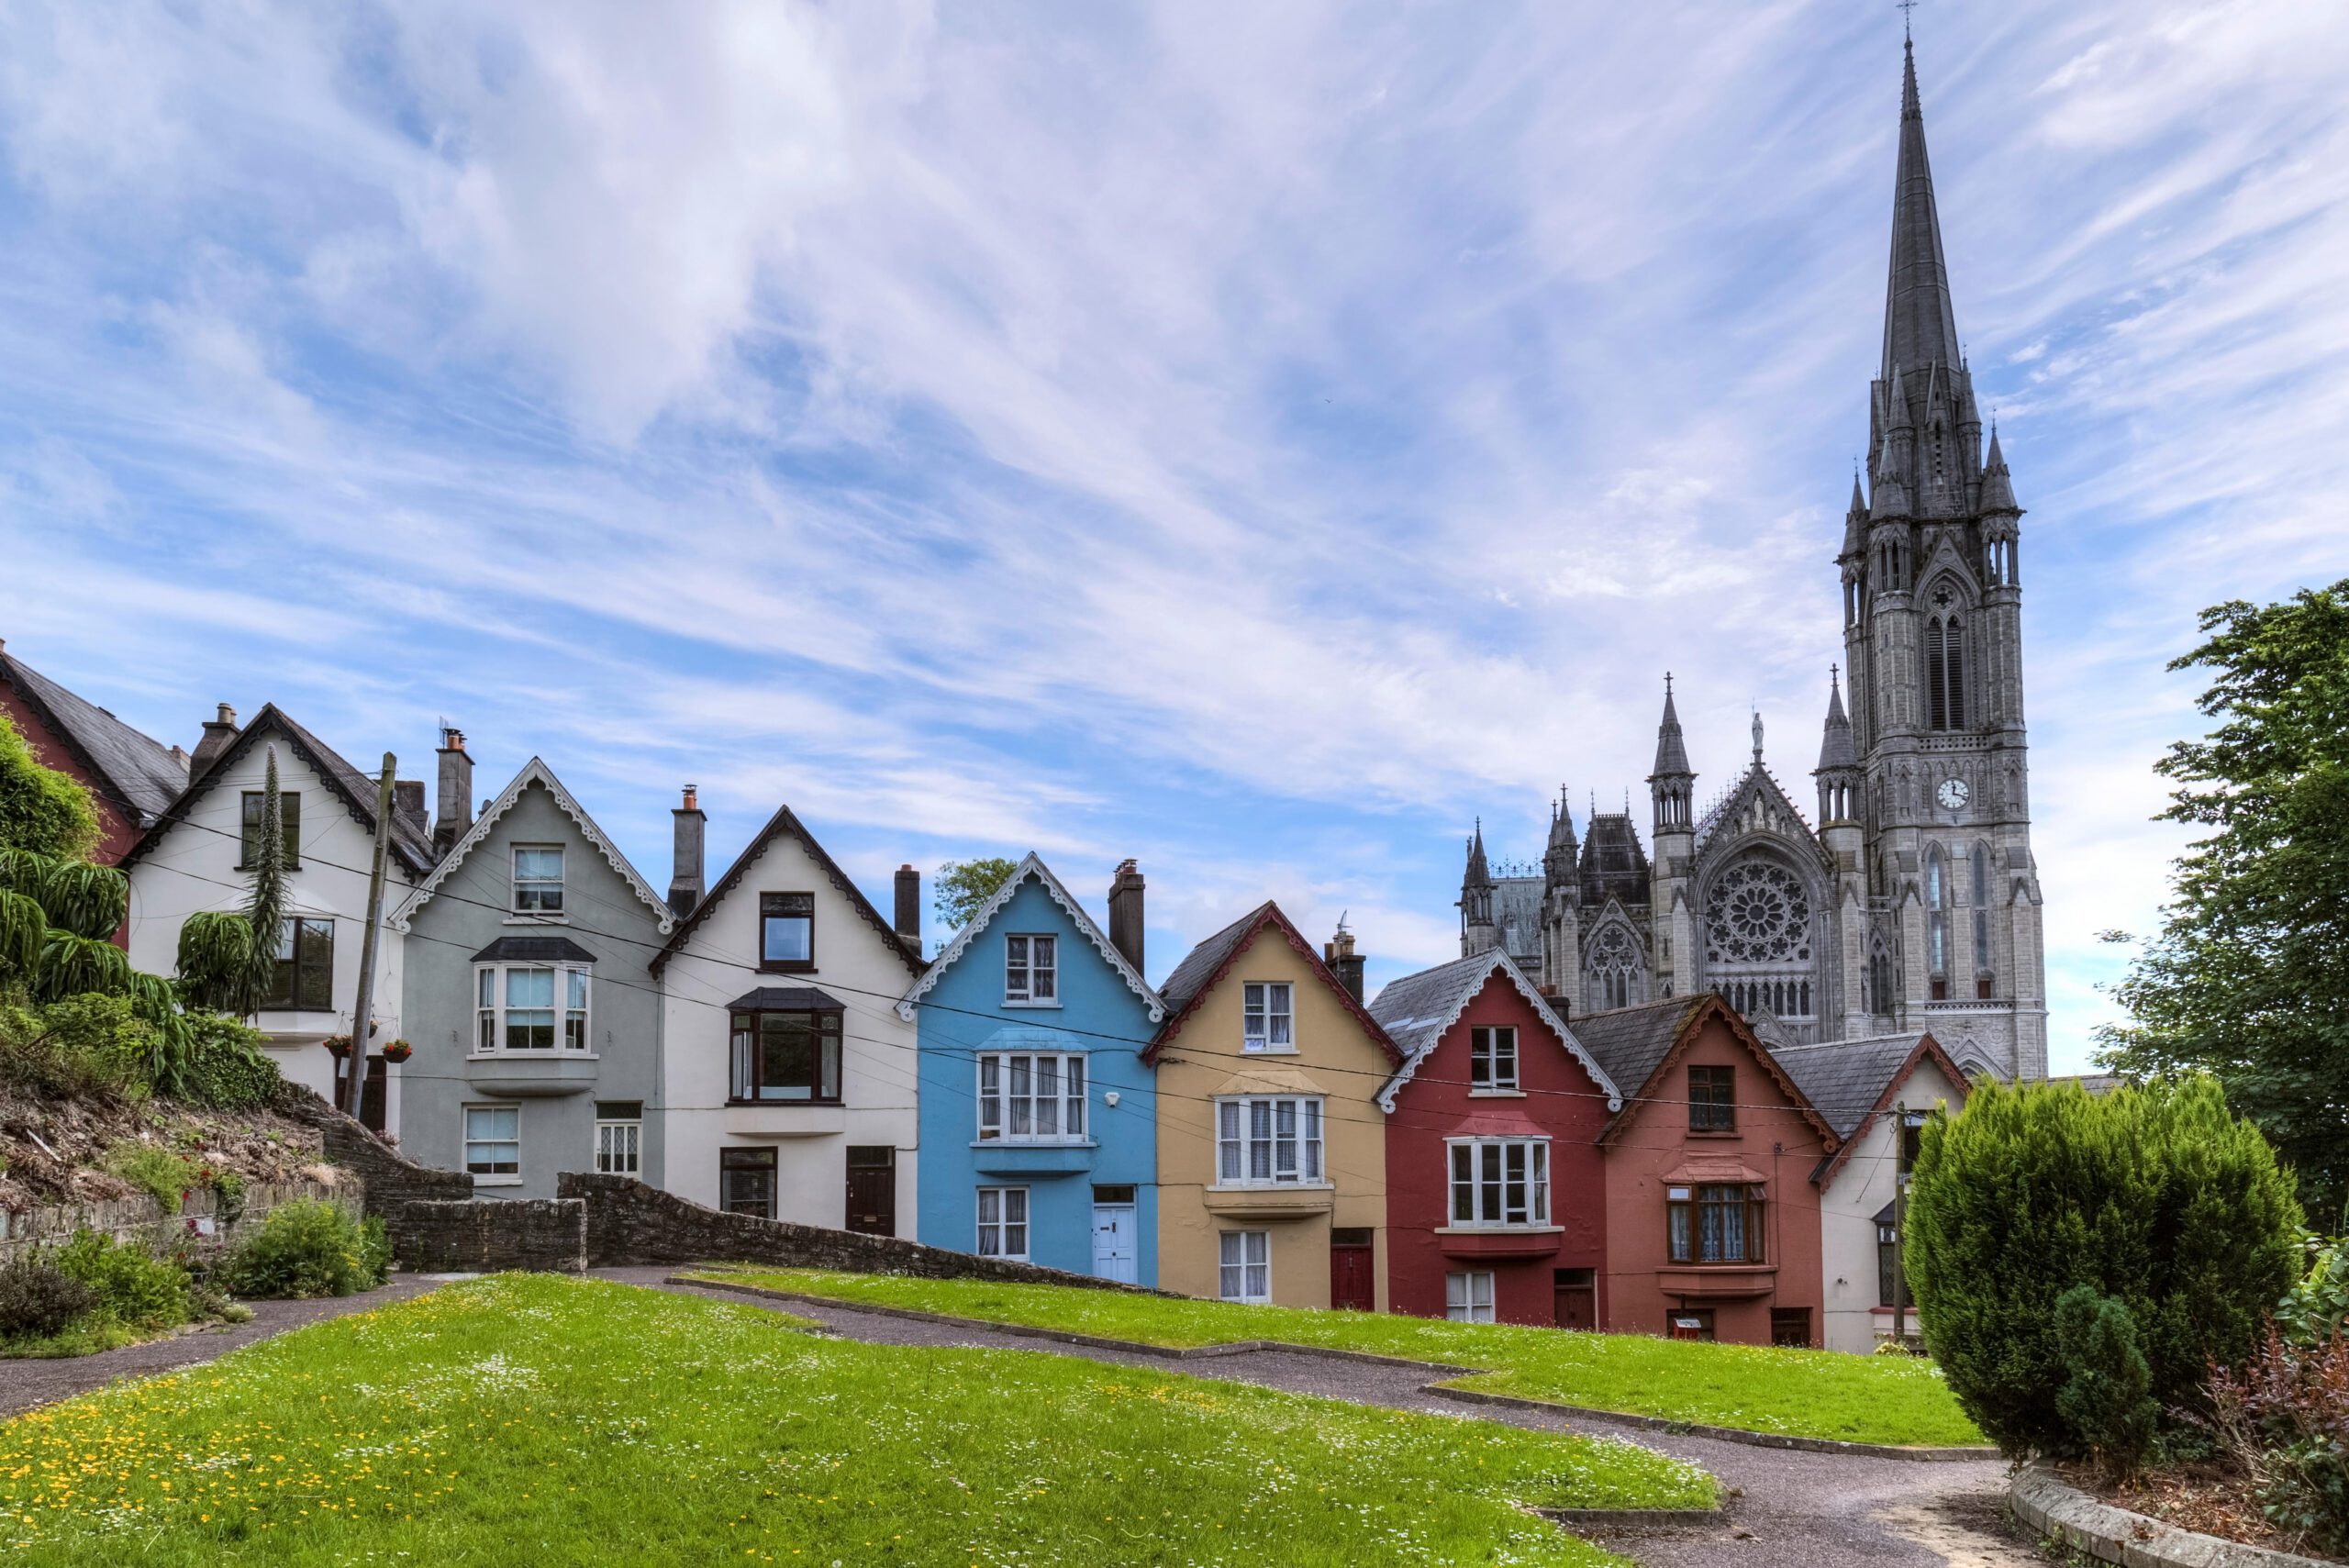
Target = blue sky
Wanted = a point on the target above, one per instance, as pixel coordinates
(1256, 439)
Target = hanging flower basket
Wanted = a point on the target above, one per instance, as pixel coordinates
(339, 1044)
(398, 1051)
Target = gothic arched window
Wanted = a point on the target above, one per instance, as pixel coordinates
(1879, 978)
(1937, 922)
(1945, 670)
(1983, 966)
(1614, 969)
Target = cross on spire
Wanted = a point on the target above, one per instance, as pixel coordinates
(1904, 7)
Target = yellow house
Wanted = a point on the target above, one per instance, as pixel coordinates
(1272, 1153)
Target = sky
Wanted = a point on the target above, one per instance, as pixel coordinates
(1257, 440)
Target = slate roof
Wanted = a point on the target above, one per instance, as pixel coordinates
(1206, 964)
(1632, 1043)
(411, 842)
(1416, 1010)
(787, 822)
(138, 772)
(1199, 965)
(1032, 865)
(1845, 1078)
(785, 999)
(534, 950)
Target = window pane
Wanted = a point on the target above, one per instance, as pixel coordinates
(786, 1056)
(1277, 1032)
(1074, 1123)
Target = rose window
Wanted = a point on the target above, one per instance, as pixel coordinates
(1757, 914)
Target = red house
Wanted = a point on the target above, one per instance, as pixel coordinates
(1496, 1190)
(133, 778)
(1712, 1212)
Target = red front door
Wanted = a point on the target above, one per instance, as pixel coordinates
(1576, 1298)
(1351, 1283)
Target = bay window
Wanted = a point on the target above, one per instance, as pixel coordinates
(1268, 1140)
(1500, 1181)
(786, 1056)
(1714, 1223)
(530, 1006)
(1030, 1097)
(303, 979)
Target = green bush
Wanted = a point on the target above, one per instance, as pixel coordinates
(306, 1249)
(2104, 1397)
(2316, 1306)
(41, 810)
(37, 1299)
(139, 1289)
(158, 1173)
(227, 1068)
(92, 1045)
(2155, 1196)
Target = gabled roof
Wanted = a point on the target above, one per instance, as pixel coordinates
(784, 823)
(1758, 780)
(1639, 1045)
(1032, 865)
(536, 771)
(1418, 1010)
(139, 774)
(1209, 962)
(411, 843)
(1852, 1082)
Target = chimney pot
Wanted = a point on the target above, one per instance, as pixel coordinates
(1126, 913)
(693, 797)
(1345, 963)
(219, 732)
(910, 907)
(685, 881)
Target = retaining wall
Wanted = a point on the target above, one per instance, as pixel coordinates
(198, 1231)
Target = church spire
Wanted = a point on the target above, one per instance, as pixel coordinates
(1997, 484)
(1674, 780)
(1919, 324)
(1835, 747)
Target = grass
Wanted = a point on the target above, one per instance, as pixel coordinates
(1816, 1394)
(548, 1420)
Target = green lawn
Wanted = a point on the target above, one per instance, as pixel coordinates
(1817, 1393)
(531, 1419)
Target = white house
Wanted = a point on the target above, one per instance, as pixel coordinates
(1875, 1093)
(195, 857)
(788, 1078)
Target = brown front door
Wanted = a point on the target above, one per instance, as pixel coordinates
(1353, 1286)
(1578, 1298)
(370, 1091)
(872, 1190)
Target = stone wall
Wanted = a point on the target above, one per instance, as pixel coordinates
(486, 1235)
(199, 1231)
(629, 1222)
(391, 1177)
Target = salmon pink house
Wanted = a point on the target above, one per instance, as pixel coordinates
(1495, 1188)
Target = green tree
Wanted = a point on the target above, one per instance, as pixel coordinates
(963, 886)
(2105, 1398)
(42, 811)
(2248, 979)
(2155, 1195)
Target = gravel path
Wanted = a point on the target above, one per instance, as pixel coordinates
(1808, 1510)
(25, 1383)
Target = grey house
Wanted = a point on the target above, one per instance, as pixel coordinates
(535, 1023)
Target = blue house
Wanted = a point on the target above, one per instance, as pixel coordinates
(1038, 1120)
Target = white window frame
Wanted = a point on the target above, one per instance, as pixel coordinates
(1255, 1133)
(573, 1016)
(516, 881)
(1015, 1106)
(619, 1146)
(1031, 970)
(1495, 1037)
(487, 1168)
(1468, 1296)
(1000, 1227)
(1244, 1266)
(1268, 1017)
(1481, 1171)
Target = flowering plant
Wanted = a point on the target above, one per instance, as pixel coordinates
(398, 1051)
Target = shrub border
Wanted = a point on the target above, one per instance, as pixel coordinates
(1435, 1387)
(2063, 1512)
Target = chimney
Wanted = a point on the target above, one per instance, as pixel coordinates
(456, 791)
(1125, 914)
(910, 907)
(685, 882)
(1339, 953)
(218, 733)
(408, 799)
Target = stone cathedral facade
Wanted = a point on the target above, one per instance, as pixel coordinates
(1910, 899)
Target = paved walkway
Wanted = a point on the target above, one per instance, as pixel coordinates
(25, 1383)
(1808, 1510)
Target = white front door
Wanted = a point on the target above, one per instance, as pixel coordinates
(1113, 1242)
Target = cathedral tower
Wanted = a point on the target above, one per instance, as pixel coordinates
(1934, 643)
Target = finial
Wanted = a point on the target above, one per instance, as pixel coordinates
(1835, 682)
(1904, 7)
(1758, 734)
(1667, 683)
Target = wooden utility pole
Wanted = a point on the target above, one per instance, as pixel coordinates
(363, 1009)
(1898, 1224)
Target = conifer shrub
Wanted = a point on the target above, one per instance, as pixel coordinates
(2104, 1398)
(2154, 1196)
(310, 1248)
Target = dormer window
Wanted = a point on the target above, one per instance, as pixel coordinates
(538, 880)
(1031, 971)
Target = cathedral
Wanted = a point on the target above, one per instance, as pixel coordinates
(1912, 901)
